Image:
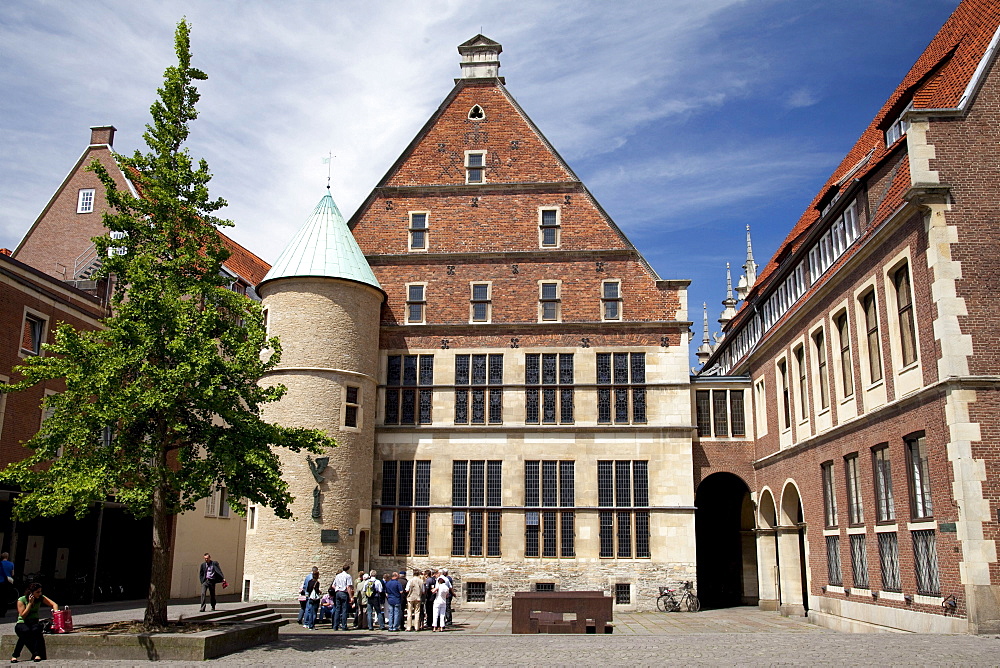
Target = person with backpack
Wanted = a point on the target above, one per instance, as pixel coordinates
(373, 592)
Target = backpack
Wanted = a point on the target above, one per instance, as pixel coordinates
(370, 588)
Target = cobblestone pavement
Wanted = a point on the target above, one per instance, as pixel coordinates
(733, 637)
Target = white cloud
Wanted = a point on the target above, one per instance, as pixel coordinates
(289, 83)
(801, 97)
(680, 190)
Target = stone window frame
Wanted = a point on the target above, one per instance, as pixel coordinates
(488, 301)
(843, 354)
(829, 487)
(867, 328)
(411, 302)
(216, 505)
(782, 389)
(30, 315)
(885, 499)
(542, 300)
(853, 489)
(760, 406)
(800, 378)
(470, 168)
(555, 228)
(346, 404)
(561, 504)
(85, 200)
(892, 313)
(413, 230)
(918, 476)
(819, 369)
(617, 300)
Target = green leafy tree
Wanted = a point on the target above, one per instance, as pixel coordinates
(164, 402)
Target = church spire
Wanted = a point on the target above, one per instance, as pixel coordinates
(750, 271)
(729, 312)
(705, 350)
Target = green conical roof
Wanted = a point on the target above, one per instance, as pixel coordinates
(324, 246)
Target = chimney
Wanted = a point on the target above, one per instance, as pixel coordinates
(102, 134)
(480, 58)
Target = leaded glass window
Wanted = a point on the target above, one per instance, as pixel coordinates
(477, 485)
(408, 393)
(548, 484)
(479, 389)
(624, 401)
(405, 484)
(624, 484)
(549, 388)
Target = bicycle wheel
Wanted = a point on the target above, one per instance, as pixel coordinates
(691, 603)
(662, 603)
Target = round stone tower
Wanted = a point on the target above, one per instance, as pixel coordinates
(323, 302)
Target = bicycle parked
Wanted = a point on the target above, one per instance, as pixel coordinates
(674, 600)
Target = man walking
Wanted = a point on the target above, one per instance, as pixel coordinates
(343, 592)
(414, 594)
(394, 599)
(209, 574)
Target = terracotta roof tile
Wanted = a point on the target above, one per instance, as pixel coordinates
(241, 261)
(937, 80)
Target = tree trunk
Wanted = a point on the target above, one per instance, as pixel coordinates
(159, 580)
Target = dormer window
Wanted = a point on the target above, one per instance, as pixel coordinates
(898, 128)
(476, 113)
(475, 163)
(895, 131)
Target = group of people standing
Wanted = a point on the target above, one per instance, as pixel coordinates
(420, 601)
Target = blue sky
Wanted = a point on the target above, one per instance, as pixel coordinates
(687, 120)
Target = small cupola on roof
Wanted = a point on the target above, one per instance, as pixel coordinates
(480, 58)
(324, 247)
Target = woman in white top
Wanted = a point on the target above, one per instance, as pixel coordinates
(440, 591)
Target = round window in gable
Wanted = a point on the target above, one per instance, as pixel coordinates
(476, 113)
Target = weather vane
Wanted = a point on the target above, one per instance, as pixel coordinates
(327, 161)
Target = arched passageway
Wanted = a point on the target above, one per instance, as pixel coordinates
(793, 590)
(724, 533)
(767, 551)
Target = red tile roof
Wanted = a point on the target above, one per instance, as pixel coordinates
(241, 261)
(936, 81)
(244, 263)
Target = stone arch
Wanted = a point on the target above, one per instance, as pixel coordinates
(724, 533)
(793, 588)
(767, 550)
(767, 516)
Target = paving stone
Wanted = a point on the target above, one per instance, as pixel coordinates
(710, 637)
